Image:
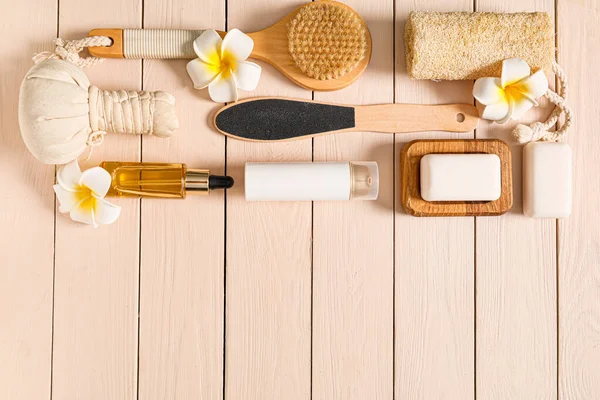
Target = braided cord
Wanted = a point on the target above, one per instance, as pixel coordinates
(69, 50)
(540, 130)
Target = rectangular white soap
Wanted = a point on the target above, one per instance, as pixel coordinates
(460, 177)
(547, 180)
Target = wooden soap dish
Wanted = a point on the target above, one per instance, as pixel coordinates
(410, 159)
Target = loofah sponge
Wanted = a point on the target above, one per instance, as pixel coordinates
(326, 41)
(465, 45)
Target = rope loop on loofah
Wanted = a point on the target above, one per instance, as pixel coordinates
(69, 50)
(540, 130)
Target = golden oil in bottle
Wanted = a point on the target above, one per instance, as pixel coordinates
(161, 180)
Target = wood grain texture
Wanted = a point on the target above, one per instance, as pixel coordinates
(434, 275)
(410, 160)
(182, 242)
(375, 330)
(268, 272)
(403, 118)
(516, 277)
(26, 216)
(579, 235)
(96, 275)
(353, 244)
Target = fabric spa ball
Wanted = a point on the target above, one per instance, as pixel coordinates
(60, 112)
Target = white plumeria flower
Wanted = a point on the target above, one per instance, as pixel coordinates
(221, 65)
(511, 95)
(82, 194)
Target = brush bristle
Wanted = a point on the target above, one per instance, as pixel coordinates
(326, 40)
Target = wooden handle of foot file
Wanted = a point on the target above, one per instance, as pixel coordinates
(400, 118)
(147, 43)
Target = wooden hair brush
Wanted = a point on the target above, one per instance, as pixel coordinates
(338, 50)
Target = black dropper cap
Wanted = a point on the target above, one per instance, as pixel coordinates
(220, 182)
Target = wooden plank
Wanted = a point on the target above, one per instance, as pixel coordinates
(268, 272)
(579, 235)
(516, 278)
(27, 217)
(96, 290)
(353, 243)
(434, 275)
(182, 254)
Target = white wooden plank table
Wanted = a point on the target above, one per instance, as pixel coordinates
(217, 298)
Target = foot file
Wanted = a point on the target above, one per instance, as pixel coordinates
(273, 118)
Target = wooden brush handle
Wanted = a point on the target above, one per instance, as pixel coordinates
(147, 43)
(400, 118)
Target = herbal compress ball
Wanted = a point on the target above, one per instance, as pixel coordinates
(60, 112)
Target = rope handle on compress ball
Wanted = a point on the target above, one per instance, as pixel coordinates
(540, 130)
(69, 50)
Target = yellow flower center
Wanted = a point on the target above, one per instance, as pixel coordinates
(227, 63)
(85, 198)
(514, 93)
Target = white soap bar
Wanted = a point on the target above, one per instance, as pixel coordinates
(547, 180)
(460, 177)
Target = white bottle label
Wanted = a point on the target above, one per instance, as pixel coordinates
(297, 181)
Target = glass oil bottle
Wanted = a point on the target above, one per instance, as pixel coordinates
(162, 180)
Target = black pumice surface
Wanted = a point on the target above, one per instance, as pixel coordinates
(280, 119)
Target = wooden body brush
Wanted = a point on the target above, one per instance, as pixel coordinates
(323, 45)
(276, 118)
